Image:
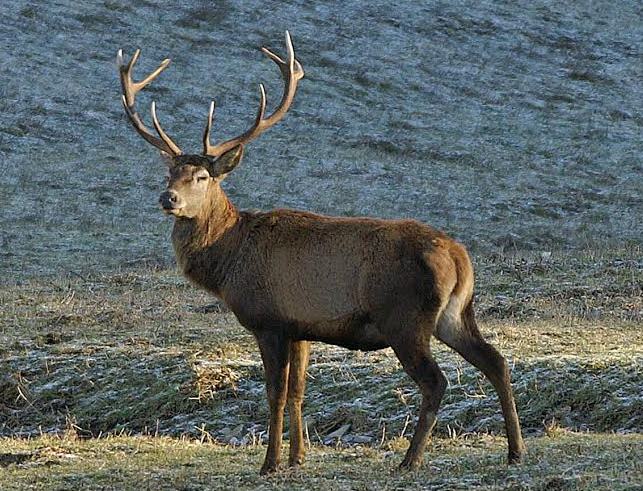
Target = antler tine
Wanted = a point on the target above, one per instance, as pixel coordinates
(291, 52)
(272, 56)
(157, 126)
(292, 72)
(206, 134)
(262, 105)
(292, 65)
(130, 89)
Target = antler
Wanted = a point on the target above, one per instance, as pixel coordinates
(292, 72)
(130, 89)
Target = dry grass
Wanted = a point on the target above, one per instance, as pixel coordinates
(142, 352)
(567, 461)
(512, 129)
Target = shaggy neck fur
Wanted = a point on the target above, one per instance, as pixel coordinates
(204, 244)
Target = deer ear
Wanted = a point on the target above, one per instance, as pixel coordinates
(227, 162)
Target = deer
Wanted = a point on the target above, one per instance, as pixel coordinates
(295, 277)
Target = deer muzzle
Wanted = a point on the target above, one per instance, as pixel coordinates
(170, 201)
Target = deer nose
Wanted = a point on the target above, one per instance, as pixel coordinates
(169, 199)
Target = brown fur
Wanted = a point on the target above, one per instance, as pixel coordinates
(292, 277)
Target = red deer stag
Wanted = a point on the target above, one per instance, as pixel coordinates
(292, 277)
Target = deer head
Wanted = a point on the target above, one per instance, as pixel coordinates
(194, 179)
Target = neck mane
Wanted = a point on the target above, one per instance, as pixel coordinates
(204, 245)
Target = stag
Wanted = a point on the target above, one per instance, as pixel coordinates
(292, 277)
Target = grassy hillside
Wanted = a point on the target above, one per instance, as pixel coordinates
(143, 351)
(514, 126)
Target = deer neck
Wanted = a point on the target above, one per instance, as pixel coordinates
(205, 245)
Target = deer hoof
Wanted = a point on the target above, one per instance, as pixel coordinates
(268, 468)
(296, 462)
(410, 464)
(516, 457)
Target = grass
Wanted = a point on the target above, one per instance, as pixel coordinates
(506, 127)
(565, 461)
(139, 352)
(512, 129)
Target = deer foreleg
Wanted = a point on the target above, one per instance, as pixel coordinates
(299, 351)
(275, 351)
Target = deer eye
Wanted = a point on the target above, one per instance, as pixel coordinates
(201, 177)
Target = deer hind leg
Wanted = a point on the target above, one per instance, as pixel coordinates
(461, 333)
(416, 359)
(299, 351)
(275, 351)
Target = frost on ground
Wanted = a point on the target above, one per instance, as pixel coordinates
(510, 125)
(351, 397)
(102, 389)
(143, 352)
